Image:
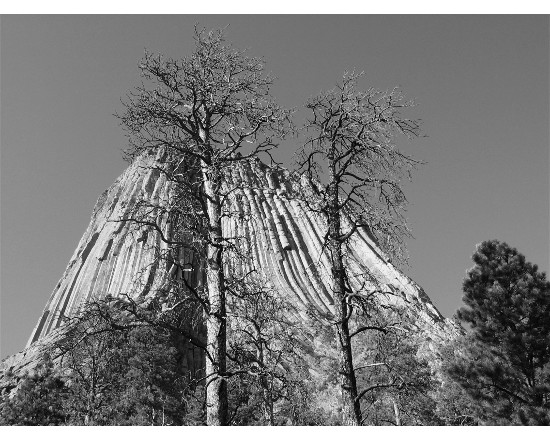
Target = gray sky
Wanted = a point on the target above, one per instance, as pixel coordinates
(482, 88)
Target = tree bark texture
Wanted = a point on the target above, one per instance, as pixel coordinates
(216, 365)
(351, 409)
(269, 416)
(396, 412)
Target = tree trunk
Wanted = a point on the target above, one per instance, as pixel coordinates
(351, 409)
(269, 416)
(396, 412)
(216, 392)
(266, 390)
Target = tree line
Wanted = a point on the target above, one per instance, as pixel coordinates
(122, 357)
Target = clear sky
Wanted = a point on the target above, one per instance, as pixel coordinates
(481, 84)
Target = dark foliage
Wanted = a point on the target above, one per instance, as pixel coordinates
(40, 400)
(128, 375)
(503, 362)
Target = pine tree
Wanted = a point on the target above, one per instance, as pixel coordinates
(39, 400)
(503, 361)
(123, 371)
(110, 371)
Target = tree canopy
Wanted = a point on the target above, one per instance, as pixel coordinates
(504, 361)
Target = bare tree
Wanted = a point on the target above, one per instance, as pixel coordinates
(355, 170)
(393, 380)
(266, 343)
(209, 110)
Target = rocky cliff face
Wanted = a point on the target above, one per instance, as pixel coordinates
(285, 241)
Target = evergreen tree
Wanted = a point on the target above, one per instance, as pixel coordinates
(123, 371)
(111, 371)
(503, 362)
(39, 401)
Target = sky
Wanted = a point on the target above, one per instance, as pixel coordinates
(481, 84)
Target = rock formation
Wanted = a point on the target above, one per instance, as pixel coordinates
(285, 240)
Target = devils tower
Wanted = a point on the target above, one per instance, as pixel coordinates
(285, 241)
(198, 215)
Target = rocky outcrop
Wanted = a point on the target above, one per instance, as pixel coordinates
(285, 241)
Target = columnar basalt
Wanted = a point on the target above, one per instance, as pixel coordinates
(284, 237)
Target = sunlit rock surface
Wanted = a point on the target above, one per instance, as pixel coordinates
(113, 258)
